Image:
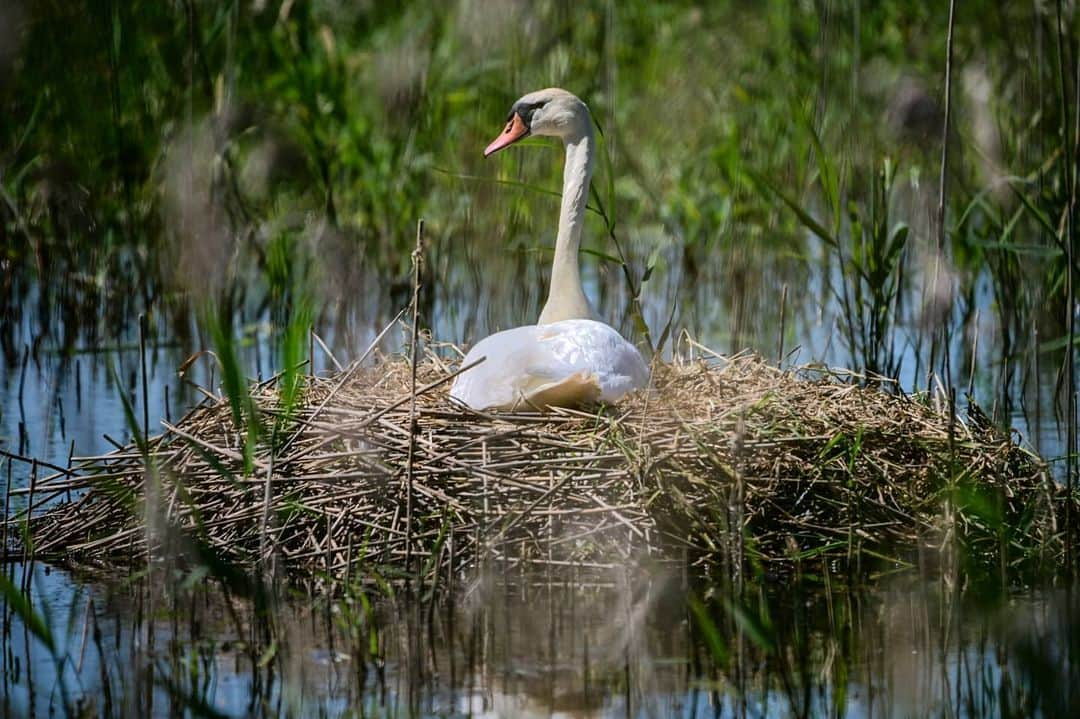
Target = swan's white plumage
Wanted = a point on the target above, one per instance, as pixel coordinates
(568, 359)
(563, 364)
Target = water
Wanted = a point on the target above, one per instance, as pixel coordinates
(555, 651)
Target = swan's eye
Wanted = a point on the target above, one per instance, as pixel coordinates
(526, 111)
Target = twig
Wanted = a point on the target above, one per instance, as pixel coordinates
(326, 349)
(942, 188)
(267, 497)
(417, 260)
(145, 392)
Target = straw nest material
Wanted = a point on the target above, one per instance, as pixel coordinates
(723, 461)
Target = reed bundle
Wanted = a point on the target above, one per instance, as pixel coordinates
(722, 462)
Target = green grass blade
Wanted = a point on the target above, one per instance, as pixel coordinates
(808, 221)
(20, 604)
(718, 648)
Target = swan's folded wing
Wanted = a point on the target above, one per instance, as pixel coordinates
(579, 389)
(597, 347)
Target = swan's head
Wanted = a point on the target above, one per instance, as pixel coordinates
(552, 112)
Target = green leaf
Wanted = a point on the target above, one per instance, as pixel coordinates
(1060, 343)
(818, 551)
(269, 654)
(20, 604)
(601, 255)
(804, 216)
(1034, 211)
(758, 632)
(830, 183)
(666, 332)
(1022, 248)
(713, 639)
(498, 181)
(129, 412)
(897, 240)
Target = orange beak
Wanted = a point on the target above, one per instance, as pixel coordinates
(515, 130)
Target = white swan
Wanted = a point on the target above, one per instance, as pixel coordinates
(569, 358)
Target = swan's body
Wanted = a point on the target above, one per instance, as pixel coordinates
(563, 364)
(569, 358)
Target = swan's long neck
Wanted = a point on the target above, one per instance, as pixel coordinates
(566, 297)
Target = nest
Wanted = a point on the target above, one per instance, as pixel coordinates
(722, 462)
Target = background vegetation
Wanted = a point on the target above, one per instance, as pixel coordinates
(159, 153)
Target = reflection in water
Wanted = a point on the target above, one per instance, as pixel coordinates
(542, 650)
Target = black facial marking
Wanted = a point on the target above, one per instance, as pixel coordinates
(525, 110)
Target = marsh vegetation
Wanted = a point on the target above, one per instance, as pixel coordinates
(224, 188)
